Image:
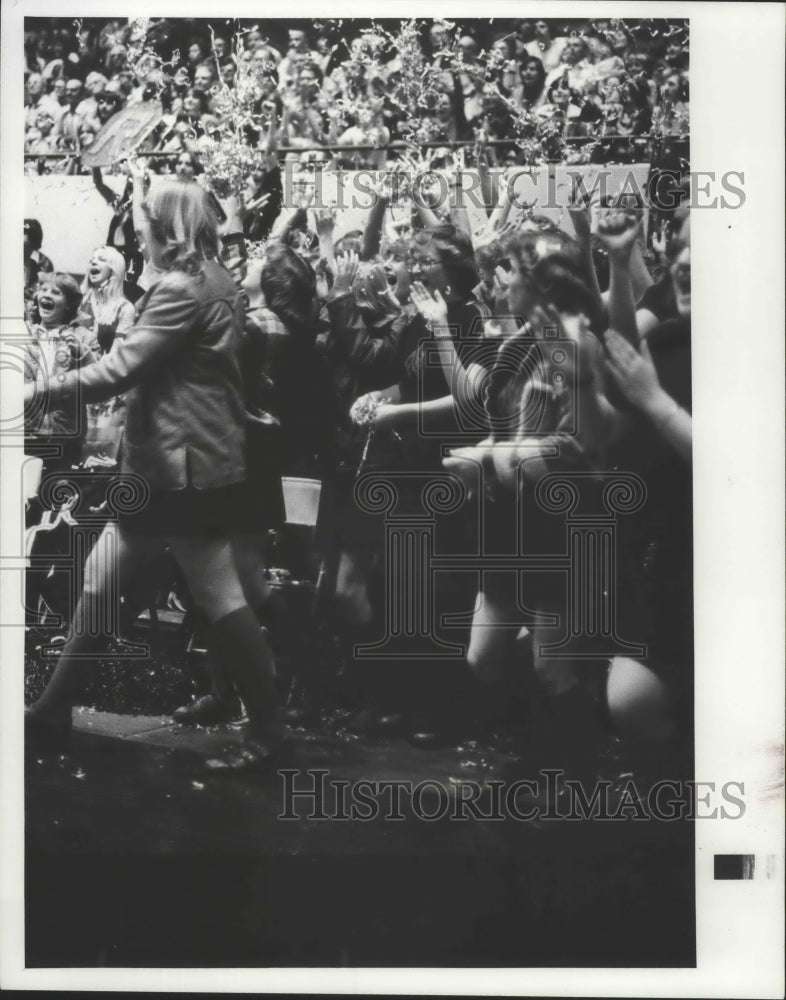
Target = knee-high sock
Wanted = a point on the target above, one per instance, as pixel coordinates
(237, 643)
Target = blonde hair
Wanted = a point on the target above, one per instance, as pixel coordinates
(106, 299)
(184, 223)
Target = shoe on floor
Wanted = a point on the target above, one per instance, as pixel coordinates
(207, 711)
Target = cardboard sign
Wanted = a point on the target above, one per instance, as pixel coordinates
(123, 134)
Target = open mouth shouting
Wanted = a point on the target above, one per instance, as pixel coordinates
(46, 304)
(51, 305)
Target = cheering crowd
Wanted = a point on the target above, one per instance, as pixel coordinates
(604, 87)
(210, 374)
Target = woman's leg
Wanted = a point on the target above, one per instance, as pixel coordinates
(567, 731)
(352, 601)
(236, 640)
(221, 704)
(498, 658)
(249, 553)
(494, 630)
(639, 703)
(273, 611)
(115, 559)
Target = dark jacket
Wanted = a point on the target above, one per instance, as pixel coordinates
(185, 416)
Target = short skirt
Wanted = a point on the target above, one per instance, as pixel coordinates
(252, 506)
(239, 508)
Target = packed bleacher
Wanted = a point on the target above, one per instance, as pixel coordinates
(533, 91)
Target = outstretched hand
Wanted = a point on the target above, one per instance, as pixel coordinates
(346, 269)
(492, 233)
(580, 214)
(325, 220)
(468, 463)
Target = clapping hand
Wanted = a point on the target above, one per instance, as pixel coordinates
(633, 371)
(432, 308)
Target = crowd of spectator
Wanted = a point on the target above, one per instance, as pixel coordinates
(528, 87)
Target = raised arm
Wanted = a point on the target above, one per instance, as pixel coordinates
(106, 192)
(139, 191)
(488, 182)
(619, 232)
(420, 169)
(582, 224)
(372, 234)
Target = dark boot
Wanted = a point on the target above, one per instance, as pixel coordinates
(242, 647)
(220, 706)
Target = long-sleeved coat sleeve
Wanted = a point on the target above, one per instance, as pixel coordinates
(351, 342)
(163, 326)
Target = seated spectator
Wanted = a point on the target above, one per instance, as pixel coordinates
(561, 101)
(221, 48)
(88, 129)
(544, 47)
(672, 114)
(108, 103)
(34, 91)
(576, 64)
(116, 59)
(227, 72)
(197, 54)
(298, 53)
(188, 124)
(66, 133)
(204, 77)
(41, 138)
(94, 84)
(533, 83)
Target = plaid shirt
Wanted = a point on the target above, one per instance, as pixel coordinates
(264, 352)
